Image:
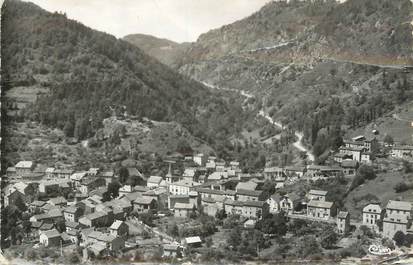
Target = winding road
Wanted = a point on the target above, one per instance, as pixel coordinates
(298, 144)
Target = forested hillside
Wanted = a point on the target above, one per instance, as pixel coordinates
(320, 67)
(166, 51)
(86, 75)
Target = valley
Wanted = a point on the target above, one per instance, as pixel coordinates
(283, 137)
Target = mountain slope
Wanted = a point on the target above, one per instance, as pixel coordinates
(166, 51)
(372, 29)
(74, 77)
(321, 67)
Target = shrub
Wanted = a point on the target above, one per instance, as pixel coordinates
(400, 187)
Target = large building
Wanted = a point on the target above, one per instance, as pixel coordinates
(371, 215)
(182, 187)
(319, 209)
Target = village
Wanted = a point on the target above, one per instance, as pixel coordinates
(67, 210)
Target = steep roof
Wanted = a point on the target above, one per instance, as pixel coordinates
(116, 224)
(51, 233)
(154, 179)
(255, 193)
(318, 192)
(399, 205)
(258, 204)
(320, 204)
(372, 208)
(218, 176)
(58, 200)
(24, 164)
(144, 200)
(249, 185)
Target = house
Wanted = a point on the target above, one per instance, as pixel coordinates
(294, 171)
(46, 227)
(352, 152)
(183, 210)
(249, 195)
(253, 209)
(182, 187)
(119, 228)
(399, 208)
(154, 182)
(172, 250)
(108, 176)
(402, 152)
(249, 185)
(11, 171)
(58, 201)
(190, 174)
(97, 248)
(77, 178)
(160, 195)
(123, 205)
(72, 213)
(349, 167)
(343, 222)
(13, 197)
(50, 238)
(200, 159)
(317, 171)
(91, 183)
(193, 242)
(72, 226)
(216, 194)
(217, 175)
(248, 209)
(49, 186)
(393, 223)
(234, 165)
(371, 215)
(96, 219)
(340, 157)
(279, 203)
(73, 235)
(112, 243)
(62, 173)
(24, 167)
(319, 209)
(144, 204)
(36, 206)
(211, 206)
(366, 157)
(319, 195)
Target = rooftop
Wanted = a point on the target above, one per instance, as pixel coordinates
(249, 185)
(318, 192)
(155, 179)
(399, 205)
(116, 224)
(183, 206)
(320, 204)
(51, 233)
(24, 164)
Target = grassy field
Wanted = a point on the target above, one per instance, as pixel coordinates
(380, 188)
(397, 124)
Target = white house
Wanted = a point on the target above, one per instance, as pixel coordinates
(371, 215)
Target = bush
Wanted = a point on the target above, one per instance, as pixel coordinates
(400, 187)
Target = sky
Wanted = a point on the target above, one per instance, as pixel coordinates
(177, 20)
